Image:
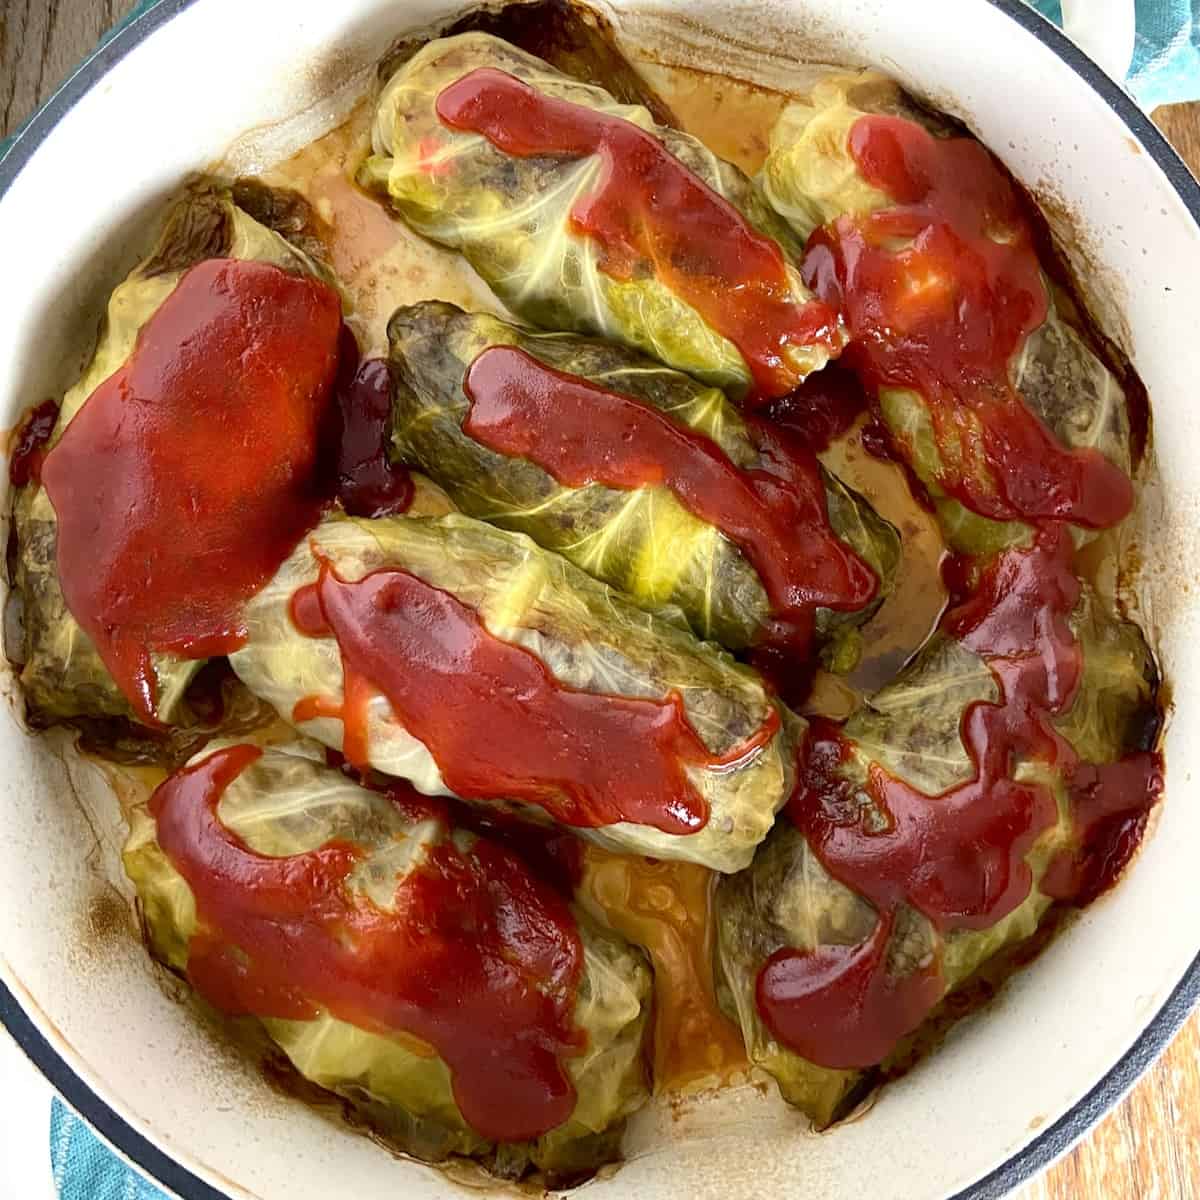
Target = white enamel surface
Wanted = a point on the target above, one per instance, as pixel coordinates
(24, 1126)
(1105, 29)
(176, 103)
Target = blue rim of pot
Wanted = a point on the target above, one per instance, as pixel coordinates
(1015, 1170)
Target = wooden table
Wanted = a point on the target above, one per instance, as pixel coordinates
(1150, 1146)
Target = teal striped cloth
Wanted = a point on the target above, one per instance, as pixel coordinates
(85, 1168)
(1166, 50)
(1166, 69)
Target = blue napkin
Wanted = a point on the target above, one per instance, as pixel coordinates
(1166, 50)
(84, 1167)
(1165, 70)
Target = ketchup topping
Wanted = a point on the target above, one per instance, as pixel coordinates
(477, 958)
(939, 292)
(29, 442)
(495, 720)
(369, 484)
(1110, 805)
(959, 857)
(651, 216)
(839, 1006)
(189, 475)
(581, 433)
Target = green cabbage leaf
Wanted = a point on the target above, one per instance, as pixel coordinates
(62, 674)
(642, 541)
(810, 178)
(287, 803)
(590, 637)
(511, 216)
(912, 729)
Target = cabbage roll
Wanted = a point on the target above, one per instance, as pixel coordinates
(980, 789)
(583, 214)
(467, 660)
(574, 40)
(646, 540)
(63, 673)
(990, 391)
(506, 1025)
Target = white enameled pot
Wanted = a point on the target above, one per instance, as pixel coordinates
(1014, 1085)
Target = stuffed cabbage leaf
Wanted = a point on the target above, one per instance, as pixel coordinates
(980, 790)
(573, 39)
(467, 660)
(1020, 422)
(645, 539)
(63, 673)
(506, 1025)
(583, 214)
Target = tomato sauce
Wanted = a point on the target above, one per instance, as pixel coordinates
(939, 291)
(189, 475)
(495, 720)
(839, 1006)
(650, 215)
(476, 957)
(582, 433)
(959, 857)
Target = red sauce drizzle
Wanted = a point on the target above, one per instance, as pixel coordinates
(495, 720)
(839, 1006)
(29, 441)
(369, 484)
(959, 857)
(944, 316)
(189, 475)
(583, 434)
(1110, 805)
(477, 958)
(651, 216)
